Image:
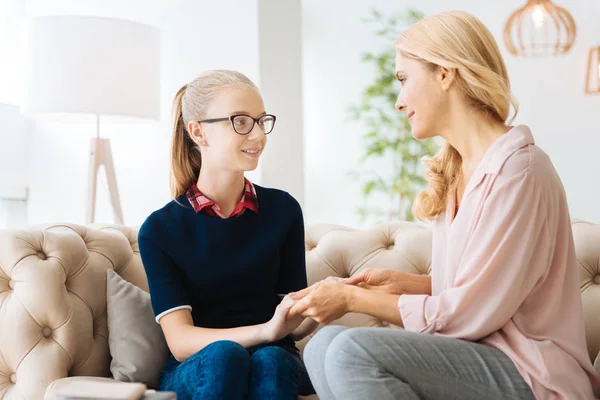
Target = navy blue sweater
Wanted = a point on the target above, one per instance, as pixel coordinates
(228, 271)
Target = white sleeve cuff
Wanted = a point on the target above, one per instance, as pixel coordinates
(162, 314)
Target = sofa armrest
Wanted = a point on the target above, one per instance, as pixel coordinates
(53, 302)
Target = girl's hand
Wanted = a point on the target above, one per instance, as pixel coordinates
(282, 324)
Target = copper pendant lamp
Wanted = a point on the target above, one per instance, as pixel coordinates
(539, 28)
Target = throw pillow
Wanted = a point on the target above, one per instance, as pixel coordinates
(136, 342)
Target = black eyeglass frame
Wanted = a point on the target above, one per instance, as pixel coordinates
(232, 117)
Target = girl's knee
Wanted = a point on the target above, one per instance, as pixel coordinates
(224, 347)
(226, 353)
(272, 361)
(270, 354)
(273, 374)
(212, 372)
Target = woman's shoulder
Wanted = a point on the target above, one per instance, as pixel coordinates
(529, 161)
(530, 169)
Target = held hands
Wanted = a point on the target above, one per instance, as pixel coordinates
(282, 324)
(332, 298)
(324, 301)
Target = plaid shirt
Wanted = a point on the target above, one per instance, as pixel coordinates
(202, 203)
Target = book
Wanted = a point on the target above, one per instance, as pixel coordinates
(98, 390)
(154, 395)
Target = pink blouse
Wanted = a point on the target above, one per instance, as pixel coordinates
(504, 271)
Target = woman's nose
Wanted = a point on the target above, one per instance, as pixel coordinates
(400, 106)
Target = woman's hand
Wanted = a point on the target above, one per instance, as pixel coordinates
(385, 280)
(391, 281)
(282, 324)
(324, 301)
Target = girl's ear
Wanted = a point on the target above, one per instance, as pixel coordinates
(197, 133)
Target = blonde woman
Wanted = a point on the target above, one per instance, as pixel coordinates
(221, 255)
(501, 316)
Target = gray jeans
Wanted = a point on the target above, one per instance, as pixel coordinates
(381, 363)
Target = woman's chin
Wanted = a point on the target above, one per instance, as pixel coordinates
(417, 134)
(420, 134)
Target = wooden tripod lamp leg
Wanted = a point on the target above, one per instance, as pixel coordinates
(111, 178)
(101, 155)
(93, 165)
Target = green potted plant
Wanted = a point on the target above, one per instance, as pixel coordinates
(388, 134)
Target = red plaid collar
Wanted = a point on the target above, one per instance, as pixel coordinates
(202, 203)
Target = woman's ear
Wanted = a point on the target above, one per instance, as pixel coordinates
(446, 77)
(197, 133)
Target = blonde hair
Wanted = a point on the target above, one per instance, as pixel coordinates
(457, 40)
(190, 104)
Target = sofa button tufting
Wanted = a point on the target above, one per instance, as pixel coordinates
(597, 279)
(47, 332)
(41, 255)
(11, 284)
(13, 378)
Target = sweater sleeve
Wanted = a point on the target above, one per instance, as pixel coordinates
(167, 293)
(292, 270)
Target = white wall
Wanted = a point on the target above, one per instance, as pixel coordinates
(280, 50)
(565, 122)
(12, 12)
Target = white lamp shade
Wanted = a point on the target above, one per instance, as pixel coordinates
(92, 65)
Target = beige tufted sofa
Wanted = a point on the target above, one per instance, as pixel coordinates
(53, 290)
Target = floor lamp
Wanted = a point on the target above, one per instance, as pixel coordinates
(97, 66)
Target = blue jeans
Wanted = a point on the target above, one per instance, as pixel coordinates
(226, 370)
